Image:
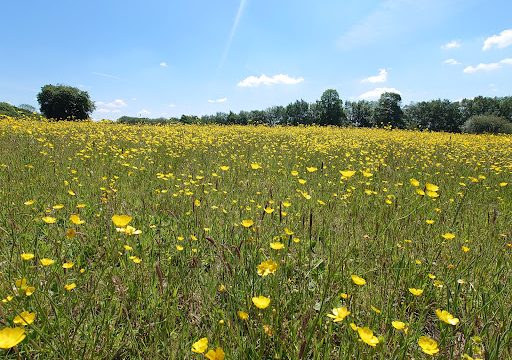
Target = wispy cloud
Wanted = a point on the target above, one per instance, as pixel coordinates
(451, 62)
(110, 107)
(254, 81)
(106, 75)
(172, 105)
(395, 18)
(163, 64)
(377, 92)
(501, 41)
(454, 44)
(487, 66)
(218, 101)
(381, 77)
(232, 33)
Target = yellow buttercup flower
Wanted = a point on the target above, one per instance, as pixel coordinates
(217, 354)
(200, 345)
(261, 302)
(10, 337)
(446, 317)
(121, 220)
(70, 287)
(358, 280)
(49, 219)
(367, 336)
(311, 169)
(399, 325)
(347, 173)
(277, 245)
(247, 223)
(68, 265)
(431, 187)
(416, 292)
(428, 345)
(448, 236)
(243, 315)
(267, 267)
(255, 166)
(414, 182)
(75, 219)
(47, 261)
(24, 318)
(27, 256)
(338, 314)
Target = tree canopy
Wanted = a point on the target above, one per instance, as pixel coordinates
(64, 102)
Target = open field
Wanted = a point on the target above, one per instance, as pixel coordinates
(383, 226)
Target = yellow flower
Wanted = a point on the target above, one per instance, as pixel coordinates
(347, 173)
(255, 166)
(121, 220)
(49, 220)
(127, 247)
(224, 168)
(465, 248)
(179, 247)
(10, 337)
(502, 184)
(399, 325)
(29, 202)
(311, 169)
(200, 345)
(47, 262)
(247, 223)
(70, 233)
(377, 310)
(135, 259)
(367, 336)
(366, 173)
(27, 256)
(261, 302)
(345, 296)
(277, 245)
(71, 192)
(429, 221)
(70, 287)
(217, 354)
(129, 230)
(431, 187)
(358, 280)
(24, 318)
(288, 232)
(416, 292)
(446, 317)
(267, 267)
(338, 314)
(243, 315)
(448, 236)
(58, 206)
(354, 326)
(269, 210)
(414, 182)
(68, 265)
(428, 345)
(432, 194)
(75, 219)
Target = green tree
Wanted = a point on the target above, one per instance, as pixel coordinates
(360, 113)
(435, 115)
(298, 113)
(330, 109)
(388, 110)
(64, 102)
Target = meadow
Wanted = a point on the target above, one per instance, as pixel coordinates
(253, 242)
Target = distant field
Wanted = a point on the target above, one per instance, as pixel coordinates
(377, 228)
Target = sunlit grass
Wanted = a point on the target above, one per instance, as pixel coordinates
(273, 243)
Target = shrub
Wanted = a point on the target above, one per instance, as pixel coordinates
(479, 124)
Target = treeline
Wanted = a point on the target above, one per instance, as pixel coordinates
(477, 115)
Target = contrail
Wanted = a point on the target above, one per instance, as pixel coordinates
(233, 31)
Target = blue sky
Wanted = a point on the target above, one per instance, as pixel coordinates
(165, 58)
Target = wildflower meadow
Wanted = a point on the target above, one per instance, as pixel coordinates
(253, 242)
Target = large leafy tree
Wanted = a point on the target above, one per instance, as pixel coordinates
(388, 110)
(360, 113)
(435, 115)
(63, 102)
(330, 109)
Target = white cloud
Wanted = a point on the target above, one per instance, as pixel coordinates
(253, 81)
(172, 105)
(106, 75)
(451, 62)
(377, 92)
(501, 41)
(163, 64)
(451, 45)
(487, 67)
(381, 77)
(144, 112)
(111, 107)
(218, 101)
